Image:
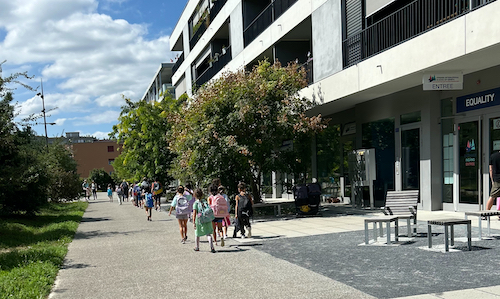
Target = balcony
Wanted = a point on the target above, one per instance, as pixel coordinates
(412, 20)
(178, 63)
(205, 22)
(218, 63)
(272, 12)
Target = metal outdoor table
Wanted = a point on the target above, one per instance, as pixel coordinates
(382, 219)
(483, 213)
(449, 223)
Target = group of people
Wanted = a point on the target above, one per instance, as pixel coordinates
(210, 215)
(89, 189)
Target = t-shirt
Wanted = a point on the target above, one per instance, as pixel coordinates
(495, 162)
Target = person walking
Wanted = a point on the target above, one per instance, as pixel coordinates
(244, 210)
(495, 179)
(226, 222)
(86, 189)
(181, 205)
(110, 193)
(219, 206)
(202, 224)
(156, 189)
(93, 187)
(148, 203)
(124, 187)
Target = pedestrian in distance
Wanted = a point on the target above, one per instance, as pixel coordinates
(181, 205)
(189, 194)
(110, 193)
(157, 190)
(86, 189)
(93, 187)
(148, 203)
(495, 179)
(244, 210)
(219, 205)
(202, 221)
(226, 222)
(124, 187)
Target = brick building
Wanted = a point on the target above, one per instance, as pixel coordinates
(97, 154)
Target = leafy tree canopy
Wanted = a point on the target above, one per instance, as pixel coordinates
(141, 129)
(237, 127)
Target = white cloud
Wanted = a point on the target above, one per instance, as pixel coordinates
(106, 117)
(97, 134)
(88, 60)
(60, 121)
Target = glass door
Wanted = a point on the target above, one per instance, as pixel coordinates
(410, 159)
(469, 162)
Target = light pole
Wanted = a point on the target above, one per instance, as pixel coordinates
(43, 111)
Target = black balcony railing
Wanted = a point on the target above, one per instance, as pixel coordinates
(308, 66)
(178, 63)
(213, 12)
(218, 62)
(216, 8)
(265, 19)
(202, 27)
(402, 25)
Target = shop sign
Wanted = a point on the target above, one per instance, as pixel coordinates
(443, 81)
(349, 129)
(478, 100)
(496, 124)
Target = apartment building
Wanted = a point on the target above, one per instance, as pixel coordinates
(416, 81)
(161, 84)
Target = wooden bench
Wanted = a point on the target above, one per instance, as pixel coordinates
(403, 205)
(449, 223)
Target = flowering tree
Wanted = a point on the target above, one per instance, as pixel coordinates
(236, 125)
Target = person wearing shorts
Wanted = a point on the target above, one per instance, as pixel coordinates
(181, 218)
(495, 179)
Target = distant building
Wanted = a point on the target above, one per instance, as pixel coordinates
(161, 84)
(95, 155)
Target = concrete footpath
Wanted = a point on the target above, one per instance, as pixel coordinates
(117, 253)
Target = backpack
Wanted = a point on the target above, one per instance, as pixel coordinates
(245, 205)
(314, 189)
(219, 205)
(157, 188)
(182, 206)
(300, 192)
(206, 214)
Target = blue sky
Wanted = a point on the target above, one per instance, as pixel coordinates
(88, 52)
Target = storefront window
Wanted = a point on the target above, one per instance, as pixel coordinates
(380, 136)
(410, 118)
(447, 137)
(328, 158)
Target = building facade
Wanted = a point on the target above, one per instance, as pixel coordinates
(95, 155)
(416, 81)
(161, 84)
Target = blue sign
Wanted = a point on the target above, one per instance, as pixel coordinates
(478, 100)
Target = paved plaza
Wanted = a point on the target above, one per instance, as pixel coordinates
(117, 253)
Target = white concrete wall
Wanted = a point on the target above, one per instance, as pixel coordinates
(475, 31)
(327, 39)
(236, 30)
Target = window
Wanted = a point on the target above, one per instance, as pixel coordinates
(110, 161)
(111, 149)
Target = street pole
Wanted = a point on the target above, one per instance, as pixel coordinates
(44, 118)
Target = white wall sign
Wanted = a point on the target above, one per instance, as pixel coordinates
(496, 145)
(443, 81)
(496, 123)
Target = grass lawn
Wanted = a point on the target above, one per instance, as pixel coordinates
(33, 249)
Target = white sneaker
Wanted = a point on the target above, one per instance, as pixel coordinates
(243, 236)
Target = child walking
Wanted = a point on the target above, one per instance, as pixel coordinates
(110, 193)
(182, 211)
(201, 229)
(148, 203)
(244, 209)
(226, 222)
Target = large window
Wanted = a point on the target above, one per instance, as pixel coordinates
(328, 159)
(380, 136)
(447, 135)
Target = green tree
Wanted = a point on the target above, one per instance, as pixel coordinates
(101, 178)
(236, 126)
(62, 168)
(142, 127)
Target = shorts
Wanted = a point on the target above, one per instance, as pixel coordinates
(217, 220)
(182, 216)
(495, 190)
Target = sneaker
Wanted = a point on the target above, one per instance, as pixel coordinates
(243, 236)
(196, 249)
(225, 237)
(213, 250)
(249, 232)
(222, 242)
(183, 241)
